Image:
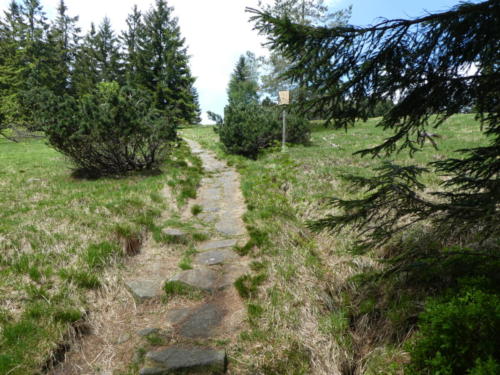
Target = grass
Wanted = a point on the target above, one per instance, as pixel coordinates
(196, 209)
(312, 313)
(177, 288)
(59, 235)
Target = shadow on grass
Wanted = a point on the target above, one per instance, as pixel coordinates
(94, 174)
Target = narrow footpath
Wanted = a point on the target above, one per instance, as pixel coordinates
(193, 334)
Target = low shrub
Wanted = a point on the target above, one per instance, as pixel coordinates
(250, 128)
(458, 336)
(111, 131)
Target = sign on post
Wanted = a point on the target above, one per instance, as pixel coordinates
(284, 97)
(284, 100)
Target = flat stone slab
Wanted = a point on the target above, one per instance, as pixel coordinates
(201, 278)
(174, 232)
(178, 315)
(143, 290)
(177, 235)
(217, 244)
(214, 257)
(202, 321)
(177, 359)
(208, 217)
(229, 228)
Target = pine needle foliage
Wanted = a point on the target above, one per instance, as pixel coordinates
(431, 67)
(112, 131)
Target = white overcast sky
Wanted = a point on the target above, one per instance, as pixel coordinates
(216, 33)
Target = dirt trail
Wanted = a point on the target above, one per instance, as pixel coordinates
(187, 335)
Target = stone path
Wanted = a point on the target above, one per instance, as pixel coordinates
(216, 268)
(188, 328)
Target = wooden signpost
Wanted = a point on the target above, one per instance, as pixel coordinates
(284, 97)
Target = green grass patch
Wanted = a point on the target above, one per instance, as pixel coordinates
(177, 288)
(58, 234)
(196, 209)
(283, 192)
(247, 285)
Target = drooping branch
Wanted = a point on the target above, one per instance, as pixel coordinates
(431, 68)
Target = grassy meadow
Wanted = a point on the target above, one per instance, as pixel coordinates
(306, 309)
(58, 236)
(309, 309)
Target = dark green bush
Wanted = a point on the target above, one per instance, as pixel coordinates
(250, 128)
(458, 336)
(111, 131)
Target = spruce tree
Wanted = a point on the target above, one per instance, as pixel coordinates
(196, 113)
(11, 63)
(107, 53)
(433, 66)
(27, 68)
(64, 36)
(242, 86)
(131, 48)
(85, 75)
(98, 58)
(164, 64)
(36, 49)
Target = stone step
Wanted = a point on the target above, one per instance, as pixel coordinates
(201, 278)
(143, 290)
(182, 360)
(228, 227)
(215, 257)
(217, 244)
(198, 322)
(176, 235)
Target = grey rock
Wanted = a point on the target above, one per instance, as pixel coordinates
(229, 228)
(178, 315)
(202, 321)
(154, 371)
(175, 234)
(217, 244)
(211, 258)
(178, 359)
(211, 209)
(143, 290)
(202, 278)
(208, 217)
(123, 339)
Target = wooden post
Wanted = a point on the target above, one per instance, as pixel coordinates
(283, 147)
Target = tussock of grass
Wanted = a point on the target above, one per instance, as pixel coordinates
(177, 288)
(196, 209)
(247, 285)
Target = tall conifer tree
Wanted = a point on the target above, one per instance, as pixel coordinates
(131, 47)
(64, 37)
(98, 58)
(11, 62)
(164, 63)
(85, 76)
(107, 53)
